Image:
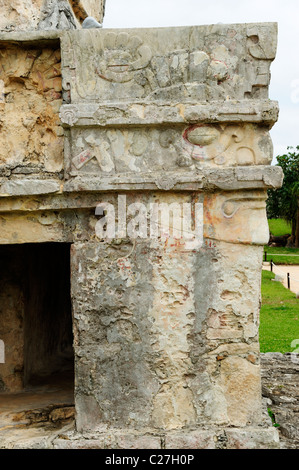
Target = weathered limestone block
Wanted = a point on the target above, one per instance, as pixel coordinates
(98, 151)
(175, 112)
(12, 313)
(69, 14)
(167, 76)
(191, 335)
(204, 63)
(280, 379)
(141, 113)
(160, 363)
(229, 179)
(31, 83)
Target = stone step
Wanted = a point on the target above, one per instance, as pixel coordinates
(52, 413)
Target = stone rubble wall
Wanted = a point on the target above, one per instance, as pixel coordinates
(280, 380)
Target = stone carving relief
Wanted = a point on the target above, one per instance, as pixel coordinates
(56, 15)
(149, 66)
(166, 183)
(259, 45)
(260, 48)
(98, 150)
(240, 217)
(153, 149)
(123, 55)
(109, 151)
(69, 115)
(220, 145)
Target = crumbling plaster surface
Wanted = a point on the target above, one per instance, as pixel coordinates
(197, 354)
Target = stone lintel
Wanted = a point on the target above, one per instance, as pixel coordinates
(24, 187)
(140, 113)
(33, 39)
(230, 179)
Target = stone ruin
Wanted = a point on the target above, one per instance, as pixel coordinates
(159, 342)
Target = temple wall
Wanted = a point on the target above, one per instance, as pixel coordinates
(165, 322)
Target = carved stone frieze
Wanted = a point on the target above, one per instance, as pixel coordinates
(237, 218)
(127, 115)
(223, 62)
(118, 150)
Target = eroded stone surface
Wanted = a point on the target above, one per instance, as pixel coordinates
(30, 15)
(214, 112)
(31, 84)
(280, 386)
(20, 15)
(96, 151)
(211, 388)
(202, 63)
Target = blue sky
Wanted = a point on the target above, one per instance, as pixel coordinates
(285, 69)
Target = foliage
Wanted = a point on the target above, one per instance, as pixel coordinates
(273, 418)
(281, 255)
(279, 227)
(283, 202)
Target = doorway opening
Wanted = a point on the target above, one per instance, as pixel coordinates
(36, 328)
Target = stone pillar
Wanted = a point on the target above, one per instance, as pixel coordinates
(166, 333)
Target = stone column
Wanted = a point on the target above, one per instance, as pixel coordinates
(166, 333)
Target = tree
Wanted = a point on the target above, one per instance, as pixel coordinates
(284, 202)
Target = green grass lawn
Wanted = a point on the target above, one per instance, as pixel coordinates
(279, 317)
(279, 227)
(282, 255)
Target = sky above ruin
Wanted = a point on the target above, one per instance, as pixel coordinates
(285, 69)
